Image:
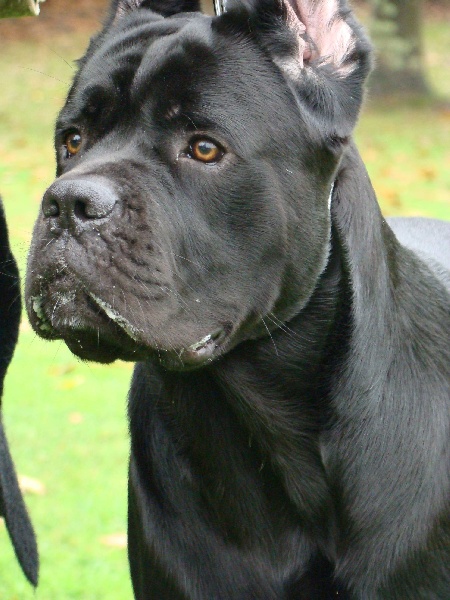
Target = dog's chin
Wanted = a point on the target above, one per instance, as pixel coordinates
(87, 330)
(93, 331)
(85, 347)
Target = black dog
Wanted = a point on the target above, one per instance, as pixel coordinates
(12, 507)
(213, 221)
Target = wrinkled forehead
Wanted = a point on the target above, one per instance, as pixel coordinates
(155, 61)
(139, 47)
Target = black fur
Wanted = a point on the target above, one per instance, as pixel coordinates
(12, 507)
(289, 412)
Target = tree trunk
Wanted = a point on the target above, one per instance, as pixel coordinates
(397, 32)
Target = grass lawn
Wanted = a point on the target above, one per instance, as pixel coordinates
(65, 419)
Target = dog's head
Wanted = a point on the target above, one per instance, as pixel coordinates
(195, 160)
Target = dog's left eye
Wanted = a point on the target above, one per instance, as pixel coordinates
(205, 151)
(72, 143)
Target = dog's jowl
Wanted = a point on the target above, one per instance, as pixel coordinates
(212, 221)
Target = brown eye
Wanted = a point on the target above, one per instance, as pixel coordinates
(205, 151)
(72, 142)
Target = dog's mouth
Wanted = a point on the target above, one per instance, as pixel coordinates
(97, 331)
(186, 357)
(89, 333)
(196, 355)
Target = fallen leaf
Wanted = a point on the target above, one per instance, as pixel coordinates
(25, 326)
(428, 173)
(371, 154)
(70, 383)
(76, 418)
(128, 366)
(389, 196)
(59, 370)
(28, 485)
(114, 540)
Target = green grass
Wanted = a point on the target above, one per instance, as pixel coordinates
(67, 429)
(407, 152)
(405, 144)
(65, 419)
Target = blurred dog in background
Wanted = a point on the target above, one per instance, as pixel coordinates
(12, 507)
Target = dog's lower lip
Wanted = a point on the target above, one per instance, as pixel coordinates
(36, 303)
(203, 349)
(115, 317)
(196, 354)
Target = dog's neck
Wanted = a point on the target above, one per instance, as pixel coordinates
(274, 389)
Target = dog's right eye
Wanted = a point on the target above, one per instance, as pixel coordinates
(205, 150)
(72, 143)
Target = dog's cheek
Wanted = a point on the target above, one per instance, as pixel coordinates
(307, 242)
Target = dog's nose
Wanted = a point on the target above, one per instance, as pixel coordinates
(75, 202)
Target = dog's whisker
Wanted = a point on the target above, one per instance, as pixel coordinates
(7, 261)
(15, 299)
(280, 325)
(9, 275)
(55, 306)
(165, 252)
(49, 243)
(144, 315)
(270, 334)
(71, 66)
(178, 276)
(189, 119)
(45, 74)
(180, 299)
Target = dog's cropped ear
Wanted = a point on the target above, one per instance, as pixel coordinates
(322, 51)
(166, 8)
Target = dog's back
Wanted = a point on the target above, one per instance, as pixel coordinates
(429, 239)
